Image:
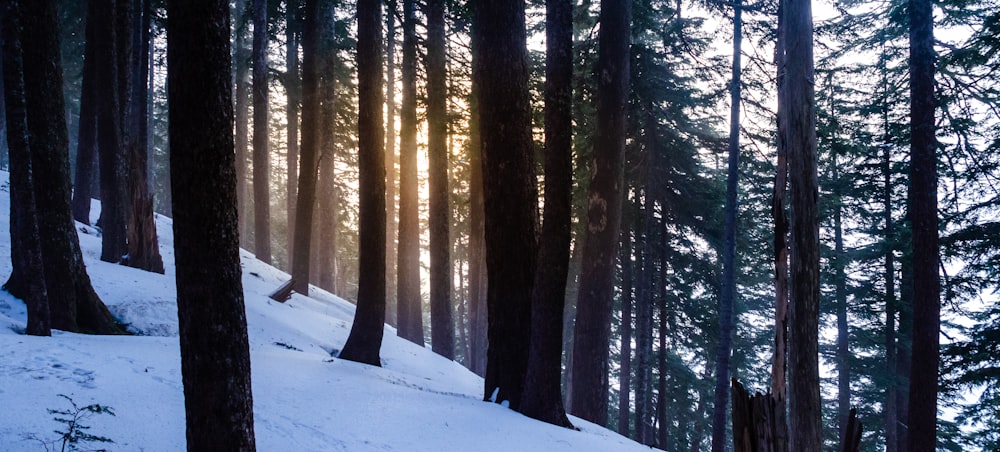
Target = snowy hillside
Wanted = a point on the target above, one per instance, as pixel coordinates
(304, 398)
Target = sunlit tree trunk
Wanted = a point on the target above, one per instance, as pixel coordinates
(390, 163)
(292, 87)
(261, 147)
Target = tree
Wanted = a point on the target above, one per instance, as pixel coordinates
(86, 143)
(542, 398)
(439, 208)
(215, 354)
(27, 281)
(241, 63)
(409, 315)
(261, 155)
(292, 88)
(922, 203)
(625, 359)
(477, 247)
(501, 74)
(390, 161)
(109, 42)
(593, 323)
(314, 28)
(728, 299)
(73, 304)
(804, 403)
(365, 340)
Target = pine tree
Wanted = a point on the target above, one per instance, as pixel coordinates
(215, 354)
(261, 155)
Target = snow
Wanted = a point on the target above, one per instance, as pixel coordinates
(305, 399)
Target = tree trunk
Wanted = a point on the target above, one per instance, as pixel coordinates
(292, 88)
(477, 255)
(86, 143)
(409, 313)
(142, 243)
(365, 339)
(804, 403)
(73, 304)
(509, 192)
(439, 208)
(316, 11)
(889, 273)
(593, 315)
(724, 348)
(324, 228)
(839, 262)
(261, 152)
(625, 376)
(904, 337)
(661, 387)
(109, 36)
(644, 318)
(922, 201)
(390, 164)
(215, 354)
(778, 363)
(542, 397)
(242, 67)
(27, 280)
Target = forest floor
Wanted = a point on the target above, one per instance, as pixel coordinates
(305, 399)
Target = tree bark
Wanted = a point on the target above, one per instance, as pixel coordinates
(804, 403)
(889, 273)
(73, 304)
(27, 280)
(215, 354)
(644, 317)
(365, 340)
(593, 316)
(922, 196)
(724, 348)
(409, 313)
(439, 207)
(261, 147)
(542, 398)
(779, 374)
(509, 192)
(839, 262)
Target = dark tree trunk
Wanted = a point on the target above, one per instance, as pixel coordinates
(108, 39)
(143, 245)
(593, 312)
(215, 355)
(804, 403)
(889, 273)
(242, 71)
(477, 255)
(261, 148)
(73, 304)
(501, 72)
(542, 398)
(365, 339)
(661, 388)
(922, 196)
(644, 318)
(625, 376)
(439, 208)
(840, 282)
(314, 28)
(292, 88)
(724, 348)
(86, 143)
(409, 313)
(390, 163)
(27, 280)
(779, 387)
(903, 343)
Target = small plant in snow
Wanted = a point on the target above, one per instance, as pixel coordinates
(74, 434)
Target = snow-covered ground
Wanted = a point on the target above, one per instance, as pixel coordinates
(305, 399)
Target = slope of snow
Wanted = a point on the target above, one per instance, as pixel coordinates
(305, 399)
